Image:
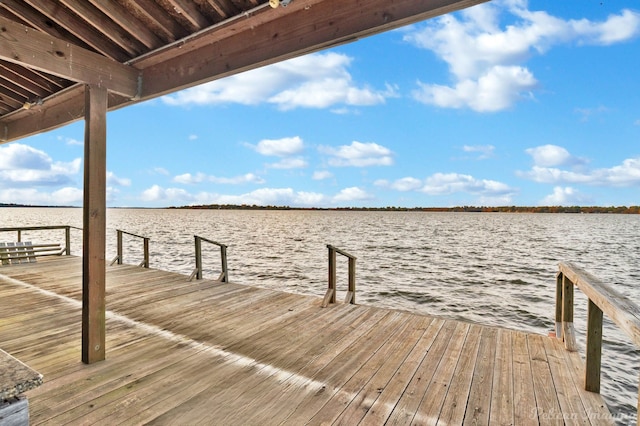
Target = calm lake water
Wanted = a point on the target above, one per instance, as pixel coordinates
(495, 269)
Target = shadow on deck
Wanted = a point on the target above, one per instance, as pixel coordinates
(183, 352)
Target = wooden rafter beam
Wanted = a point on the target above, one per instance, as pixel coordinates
(280, 34)
(33, 49)
(251, 40)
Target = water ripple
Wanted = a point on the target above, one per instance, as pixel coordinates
(494, 269)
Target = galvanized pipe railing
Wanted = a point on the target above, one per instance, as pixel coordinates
(330, 295)
(67, 229)
(602, 299)
(197, 272)
(119, 255)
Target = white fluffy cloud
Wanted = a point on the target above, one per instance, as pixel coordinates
(322, 174)
(62, 197)
(358, 154)
(566, 196)
(287, 148)
(490, 191)
(548, 160)
(262, 196)
(289, 163)
(553, 155)
(623, 175)
(157, 193)
(319, 80)
(406, 184)
(112, 179)
(486, 59)
(497, 89)
(449, 183)
(352, 194)
(23, 169)
(188, 179)
(23, 165)
(280, 147)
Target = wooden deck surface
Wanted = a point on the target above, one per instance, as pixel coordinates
(185, 353)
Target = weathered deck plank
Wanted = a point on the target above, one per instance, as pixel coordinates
(183, 352)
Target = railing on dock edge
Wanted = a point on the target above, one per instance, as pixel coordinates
(330, 295)
(602, 299)
(67, 236)
(197, 272)
(119, 255)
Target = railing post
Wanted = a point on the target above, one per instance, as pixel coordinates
(332, 273)
(594, 348)
(351, 295)
(67, 240)
(19, 235)
(198, 257)
(330, 295)
(119, 248)
(568, 331)
(146, 252)
(559, 277)
(223, 259)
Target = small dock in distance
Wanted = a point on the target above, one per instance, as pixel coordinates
(206, 352)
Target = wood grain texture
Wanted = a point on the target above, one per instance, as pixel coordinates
(94, 225)
(207, 352)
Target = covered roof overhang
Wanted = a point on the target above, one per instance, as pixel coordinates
(141, 49)
(63, 60)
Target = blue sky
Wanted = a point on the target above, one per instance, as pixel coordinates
(507, 103)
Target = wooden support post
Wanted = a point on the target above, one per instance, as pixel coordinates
(198, 257)
(94, 225)
(568, 331)
(330, 295)
(223, 259)
(145, 243)
(559, 305)
(67, 240)
(594, 348)
(332, 273)
(351, 294)
(119, 246)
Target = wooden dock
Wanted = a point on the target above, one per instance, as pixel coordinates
(205, 352)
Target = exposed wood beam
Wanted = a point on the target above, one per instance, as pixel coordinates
(62, 108)
(223, 8)
(79, 28)
(161, 21)
(302, 27)
(129, 22)
(189, 11)
(105, 26)
(94, 225)
(22, 77)
(260, 37)
(37, 20)
(31, 48)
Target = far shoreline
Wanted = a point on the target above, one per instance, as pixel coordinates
(458, 209)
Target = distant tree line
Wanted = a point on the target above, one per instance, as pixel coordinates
(472, 209)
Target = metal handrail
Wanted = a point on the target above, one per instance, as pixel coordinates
(119, 256)
(330, 295)
(197, 272)
(67, 228)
